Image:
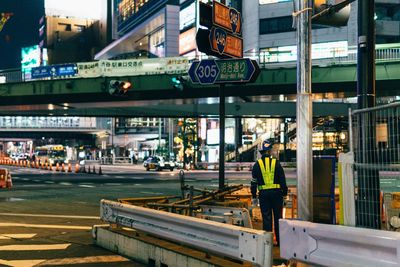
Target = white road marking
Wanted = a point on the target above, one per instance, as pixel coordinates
(65, 183)
(86, 185)
(49, 182)
(50, 226)
(34, 247)
(21, 263)
(50, 216)
(90, 259)
(16, 236)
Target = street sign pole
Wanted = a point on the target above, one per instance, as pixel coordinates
(221, 136)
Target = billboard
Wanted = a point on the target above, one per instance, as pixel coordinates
(30, 57)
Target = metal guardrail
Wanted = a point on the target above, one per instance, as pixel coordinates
(223, 239)
(334, 245)
(115, 160)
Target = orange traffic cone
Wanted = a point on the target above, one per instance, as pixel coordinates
(62, 167)
(69, 167)
(2, 181)
(89, 169)
(100, 172)
(51, 166)
(57, 167)
(84, 169)
(77, 168)
(9, 181)
(46, 165)
(94, 169)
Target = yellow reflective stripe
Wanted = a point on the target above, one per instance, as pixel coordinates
(268, 174)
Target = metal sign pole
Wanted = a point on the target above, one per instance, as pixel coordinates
(222, 136)
(304, 155)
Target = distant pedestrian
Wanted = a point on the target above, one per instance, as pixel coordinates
(269, 178)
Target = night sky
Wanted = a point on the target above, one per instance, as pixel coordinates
(21, 30)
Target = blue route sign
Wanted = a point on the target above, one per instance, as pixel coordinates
(207, 71)
(214, 71)
(192, 72)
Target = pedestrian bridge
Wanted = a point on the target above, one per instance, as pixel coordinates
(84, 92)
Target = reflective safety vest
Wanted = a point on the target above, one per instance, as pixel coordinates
(268, 174)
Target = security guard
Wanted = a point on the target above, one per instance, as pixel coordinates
(269, 179)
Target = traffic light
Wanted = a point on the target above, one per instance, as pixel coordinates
(177, 82)
(119, 88)
(334, 13)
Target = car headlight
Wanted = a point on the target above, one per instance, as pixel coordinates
(51, 161)
(162, 164)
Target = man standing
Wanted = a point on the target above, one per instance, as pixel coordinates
(269, 179)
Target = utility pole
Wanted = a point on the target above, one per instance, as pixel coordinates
(304, 155)
(368, 210)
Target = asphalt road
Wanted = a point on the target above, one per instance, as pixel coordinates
(46, 217)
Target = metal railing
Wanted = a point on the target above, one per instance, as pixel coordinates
(48, 122)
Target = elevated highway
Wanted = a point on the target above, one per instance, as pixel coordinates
(154, 95)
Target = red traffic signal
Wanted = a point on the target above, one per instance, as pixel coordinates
(118, 87)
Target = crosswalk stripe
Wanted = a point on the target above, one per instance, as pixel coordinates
(34, 247)
(50, 216)
(86, 185)
(16, 236)
(65, 183)
(89, 259)
(52, 226)
(21, 263)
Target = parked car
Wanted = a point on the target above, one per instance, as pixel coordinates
(158, 163)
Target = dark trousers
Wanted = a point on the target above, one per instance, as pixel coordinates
(271, 201)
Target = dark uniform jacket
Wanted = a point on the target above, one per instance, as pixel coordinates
(279, 177)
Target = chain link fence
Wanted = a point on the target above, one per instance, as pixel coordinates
(376, 145)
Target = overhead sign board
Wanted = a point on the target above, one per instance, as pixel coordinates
(211, 71)
(227, 18)
(225, 43)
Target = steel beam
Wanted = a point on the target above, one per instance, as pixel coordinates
(223, 239)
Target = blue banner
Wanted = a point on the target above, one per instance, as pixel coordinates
(41, 72)
(66, 70)
(54, 71)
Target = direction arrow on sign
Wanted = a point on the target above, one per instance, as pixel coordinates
(207, 71)
(192, 72)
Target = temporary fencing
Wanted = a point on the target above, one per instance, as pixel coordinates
(376, 145)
